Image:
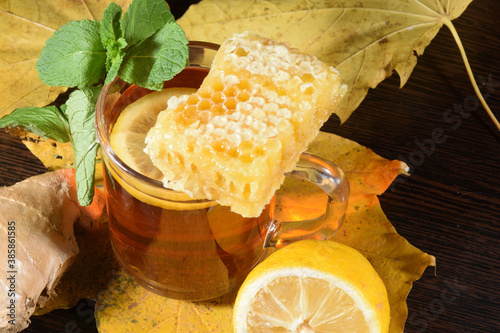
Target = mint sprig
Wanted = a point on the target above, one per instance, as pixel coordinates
(147, 38)
(144, 46)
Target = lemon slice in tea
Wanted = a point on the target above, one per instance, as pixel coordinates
(313, 286)
(127, 140)
(132, 126)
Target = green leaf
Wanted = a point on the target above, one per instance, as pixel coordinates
(112, 39)
(80, 111)
(73, 56)
(156, 59)
(48, 122)
(143, 18)
(110, 28)
(114, 59)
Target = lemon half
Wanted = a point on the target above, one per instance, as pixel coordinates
(313, 286)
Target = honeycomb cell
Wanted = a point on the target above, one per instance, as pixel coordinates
(219, 180)
(260, 151)
(247, 157)
(247, 190)
(218, 97)
(193, 99)
(233, 152)
(243, 96)
(180, 159)
(205, 104)
(230, 103)
(307, 88)
(243, 84)
(246, 146)
(220, 146)
(217, 110)
(217, 85)
(241, 52)
(207, 151)
(232, 187)
(307, 77)
(189, 115)
(205, 93)
(230, 91)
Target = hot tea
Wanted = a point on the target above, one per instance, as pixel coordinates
(172, 243)
(175, 245)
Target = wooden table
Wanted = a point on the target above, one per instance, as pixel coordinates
(448, 207)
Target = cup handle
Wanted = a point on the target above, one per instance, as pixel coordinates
(333, 182)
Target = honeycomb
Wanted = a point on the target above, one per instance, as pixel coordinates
(234, 139)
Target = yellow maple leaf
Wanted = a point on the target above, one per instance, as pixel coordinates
(366, 228)
(127, 307)
(365, 40)
(25, 26)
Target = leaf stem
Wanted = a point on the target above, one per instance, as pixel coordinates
(454, 32)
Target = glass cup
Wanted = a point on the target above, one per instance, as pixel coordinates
(196, 249)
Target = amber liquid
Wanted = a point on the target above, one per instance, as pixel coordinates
(193, 254)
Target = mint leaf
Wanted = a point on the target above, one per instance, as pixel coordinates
(80, 111)
(114, 60)
(172, 57)
(156, 59)
(143, 18)
(110, 28)
(112, 40)
(47, 122)
(73, 56)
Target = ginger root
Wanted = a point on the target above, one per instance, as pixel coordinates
(37, 243)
